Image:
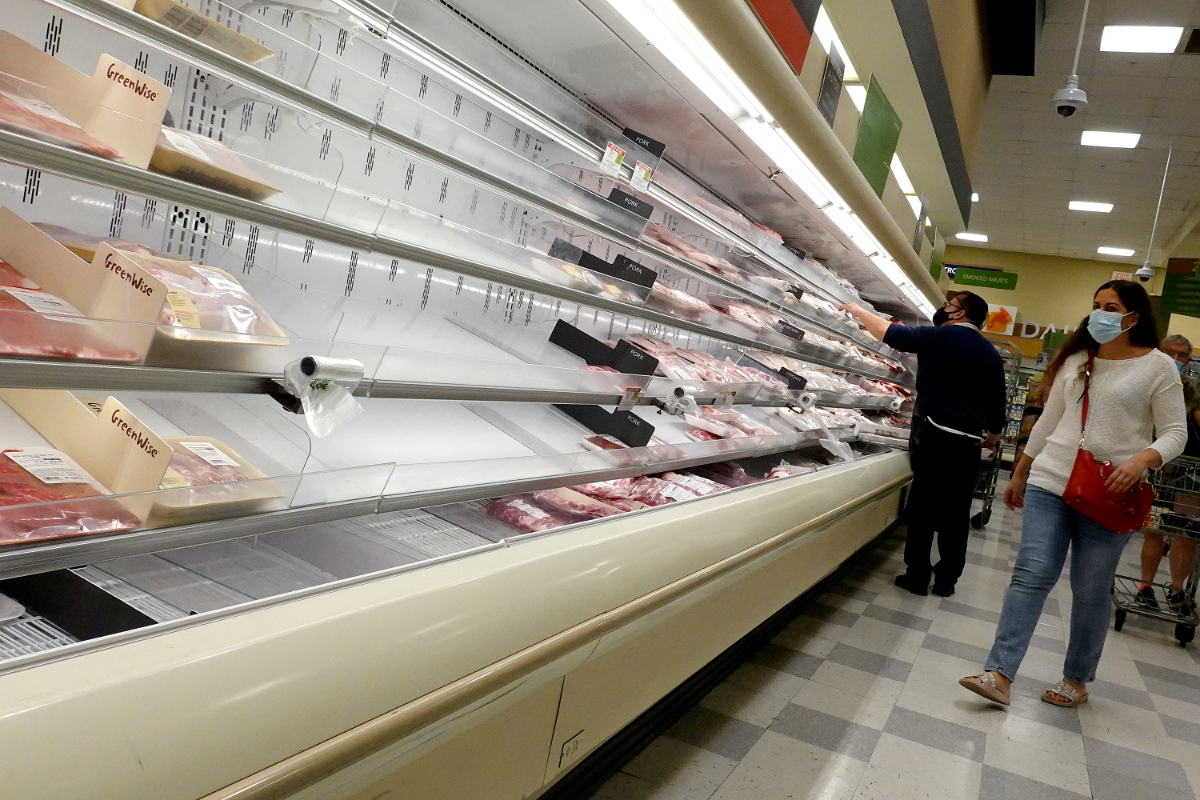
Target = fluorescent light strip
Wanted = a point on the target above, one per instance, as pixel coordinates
(1115, 251)
(858, 95)
(1139, 39)
(1084, 205)
(823, 30)
(1109, 139)
(972, 237)
(915, 202)
(902, 176)
(975, 197)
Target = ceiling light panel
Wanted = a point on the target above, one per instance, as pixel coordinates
(975, 197)
(1114, 251)
(1139, 39)
(902, 176)
(1084, 205)
(858, 95)
(972, 237)
(1109, 139)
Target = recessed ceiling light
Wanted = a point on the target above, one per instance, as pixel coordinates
(1109, 139)
(1083, 205)
(973, 237)
(1114, 251)
(1139, 39)
(975, 197)
(858, 95)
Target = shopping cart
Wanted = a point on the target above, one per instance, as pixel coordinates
(989, 467)
(1176, 515)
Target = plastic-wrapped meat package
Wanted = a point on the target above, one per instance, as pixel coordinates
(679, 369)
(752, 428)
(689, 252)
(724, 472)
(701, 436)
(610, 495)
(652, 346)
(785, 470)
(34, 323)
(766, 379)
(693, 483)
(525, 515)
(652, 491)
(568, 501)
(22, 113)
(597, 368)
(726, 415)
(755, 318)
(195, 471)
(673, 301)
(712, 425)
(10, 277)
(34, 481)
(206, 298)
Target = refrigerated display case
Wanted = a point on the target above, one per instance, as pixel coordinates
(216, 590)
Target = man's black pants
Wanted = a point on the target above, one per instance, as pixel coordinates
(945, 468)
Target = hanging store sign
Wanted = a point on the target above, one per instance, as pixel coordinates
(1181, 293)
(878, 134)
(831, 85)
(991, 279)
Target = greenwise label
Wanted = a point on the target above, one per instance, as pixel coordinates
(967, 276)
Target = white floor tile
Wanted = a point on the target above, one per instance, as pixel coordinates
(963, 629)
(1055, 742)
(758, 678)
(858, 682)
(900, 600)
(756, 707)
(1036, 764)
(868, 711)
(1121, 724)
(890, 640)
(953, 704)
(782, 768)
(1180, 709)
(900, 770)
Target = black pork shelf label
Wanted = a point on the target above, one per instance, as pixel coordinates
(639, 207)
(654, 148)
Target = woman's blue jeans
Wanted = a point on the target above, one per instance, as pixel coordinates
(1049, 528)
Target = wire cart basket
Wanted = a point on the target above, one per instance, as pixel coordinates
(1175, 515)
(989, 466)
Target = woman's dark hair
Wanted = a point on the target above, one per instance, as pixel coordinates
(1144, 333)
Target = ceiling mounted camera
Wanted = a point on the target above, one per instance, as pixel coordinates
(1070, 98)
(1145, 272)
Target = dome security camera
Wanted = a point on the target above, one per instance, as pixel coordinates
(1070, 98)
(1145, 273)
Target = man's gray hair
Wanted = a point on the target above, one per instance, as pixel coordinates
(1175, 338)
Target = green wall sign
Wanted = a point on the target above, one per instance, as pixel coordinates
(878, 133)
(1181, 294)
(968, 276)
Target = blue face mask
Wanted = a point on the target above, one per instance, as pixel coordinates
(1104, 326)
(1179, 366)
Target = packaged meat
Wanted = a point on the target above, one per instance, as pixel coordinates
(205, 162)
(23, 113)
(568, 501)
(673, 301)
(612, 495)
(725, 415)
(207, 299)
(652, 491)
(602, 441)
(679, 369)
(46, 495)
(10, 277)
(195, 25)
(654, 347)
(752, 428)
(701, 436)
(693, 483)
(724, 472)
(219, 482)
(525, 515)
(713, 426)
(34, 323)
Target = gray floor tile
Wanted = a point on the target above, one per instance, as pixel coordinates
(1181, 729)
(1117, 784)
(1169, 675)
(970, 652)
(1141, 767)
(999, 784)
(786, 660)
(826, 731)
(870, 662)
(1027, 703)
(900, 618)
(1122, 694)
(854, 592)
(1052, 608)
(715, 733)
(990, 562)
(937, 733)
(826, 613)
(1047, 643)
(969, 611)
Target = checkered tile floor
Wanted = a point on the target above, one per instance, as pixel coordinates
(858, 698)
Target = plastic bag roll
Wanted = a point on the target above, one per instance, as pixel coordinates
(896, 403)
(806, 400)
(343, 370)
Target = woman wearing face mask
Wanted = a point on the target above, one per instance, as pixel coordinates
(1135, 395)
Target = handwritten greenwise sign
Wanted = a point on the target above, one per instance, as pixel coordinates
(968, 276)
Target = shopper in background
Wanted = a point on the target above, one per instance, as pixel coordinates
(1135, 394)
(1183, 549)
(960, 407)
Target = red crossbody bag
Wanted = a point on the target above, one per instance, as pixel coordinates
(1085, 492)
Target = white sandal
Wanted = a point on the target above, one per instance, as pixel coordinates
(1064, 689)
(985, 687)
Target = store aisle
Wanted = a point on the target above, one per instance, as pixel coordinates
(858, 698)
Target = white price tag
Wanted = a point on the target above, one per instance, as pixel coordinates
(211, 453)
(49, 467)
(629, 399)
(677, 493)
(218, 280)
(44, 303)
(614, 157)
(532, 511)
(641, 176)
